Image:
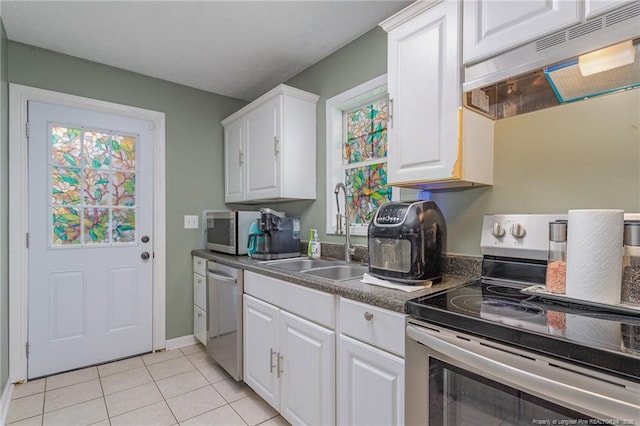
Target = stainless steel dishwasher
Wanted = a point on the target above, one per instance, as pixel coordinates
(224, 317)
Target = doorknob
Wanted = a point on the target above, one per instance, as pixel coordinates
(145, 255)
(145, 238)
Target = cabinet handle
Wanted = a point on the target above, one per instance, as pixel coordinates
(199, 314)
(240, 158)
(276, 145)
(390, 102)
(271, 354)
(279, 371)
(199, 262)
(368, 316)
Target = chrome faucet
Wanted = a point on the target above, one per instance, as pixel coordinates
(349, 249)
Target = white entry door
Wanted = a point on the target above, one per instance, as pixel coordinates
(90, 238)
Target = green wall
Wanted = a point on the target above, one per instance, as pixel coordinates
(581, 155)
(194, 146)
(360, 61)
(576, 156)
(4, 212)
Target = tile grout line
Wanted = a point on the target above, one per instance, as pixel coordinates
(159, 391)
(230, 403)
(103, 396)
(208, 384)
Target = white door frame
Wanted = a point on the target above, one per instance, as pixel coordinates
(19, 95)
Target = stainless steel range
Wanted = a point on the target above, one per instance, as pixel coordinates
(492, 352)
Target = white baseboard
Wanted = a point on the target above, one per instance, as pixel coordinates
(5, 401)
(180, 342)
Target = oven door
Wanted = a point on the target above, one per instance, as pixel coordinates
(456, 379)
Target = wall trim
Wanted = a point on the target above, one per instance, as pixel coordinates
(334, 123)
(19, 95)
(181, 342)
(5, 401)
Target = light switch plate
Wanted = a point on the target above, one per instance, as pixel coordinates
(190, 221)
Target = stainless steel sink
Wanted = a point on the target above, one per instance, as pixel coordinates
(297, 264)
(337, 270)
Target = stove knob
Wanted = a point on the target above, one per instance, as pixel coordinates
(518, 230)
(497, 230)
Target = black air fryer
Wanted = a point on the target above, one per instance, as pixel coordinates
(406, 241)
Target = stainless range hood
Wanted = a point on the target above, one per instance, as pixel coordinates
(607, 70)
(590, 59)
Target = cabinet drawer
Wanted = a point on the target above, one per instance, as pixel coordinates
(200, 325)
(200, 291)
(308, 303)
(199, 265)
(373, 325)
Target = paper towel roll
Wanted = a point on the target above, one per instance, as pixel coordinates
(594, 255)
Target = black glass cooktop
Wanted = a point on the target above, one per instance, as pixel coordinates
(596, 338)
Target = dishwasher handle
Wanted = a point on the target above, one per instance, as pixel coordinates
(221, 278)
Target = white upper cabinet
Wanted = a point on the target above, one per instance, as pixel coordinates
(492, 27)
(427, 146)
(234, 158)
(270, 148)
(596, 7)
(262, 139)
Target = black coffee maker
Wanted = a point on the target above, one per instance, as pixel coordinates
(281, 235)
(406, 241)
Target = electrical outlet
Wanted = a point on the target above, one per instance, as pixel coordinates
(190, 221)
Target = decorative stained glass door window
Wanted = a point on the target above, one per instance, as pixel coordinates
(93, 186)
(365, 160)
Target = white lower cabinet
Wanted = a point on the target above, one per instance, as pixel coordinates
(370, 385)
(295, 361)
(200, 299)
(200, 324)
(370, 388)
(260, 322)
(289, 360)
(307, 368)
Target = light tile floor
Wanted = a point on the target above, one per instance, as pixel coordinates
(182, 386)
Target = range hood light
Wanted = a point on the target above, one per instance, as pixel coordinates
(607, 59)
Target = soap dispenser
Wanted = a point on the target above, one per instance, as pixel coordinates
(313, 249)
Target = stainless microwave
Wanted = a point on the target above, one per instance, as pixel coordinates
(227, 231)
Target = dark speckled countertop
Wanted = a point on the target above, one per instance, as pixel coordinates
(467, 268)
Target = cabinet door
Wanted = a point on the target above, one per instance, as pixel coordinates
(307, 365)
(370, 385)
(492, 27)
(260, 340)
(234, 161)
(424, 92)
(200, 324)
(200, 291)
(263, 137)
(596, 7)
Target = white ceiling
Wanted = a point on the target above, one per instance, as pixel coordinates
(235, 48)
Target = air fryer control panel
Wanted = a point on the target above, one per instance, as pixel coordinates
(391, 214)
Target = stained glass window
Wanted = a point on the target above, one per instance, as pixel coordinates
(93, 187)
(365, 160)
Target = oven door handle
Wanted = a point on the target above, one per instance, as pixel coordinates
(576, 398)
